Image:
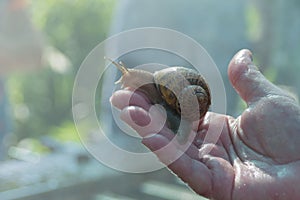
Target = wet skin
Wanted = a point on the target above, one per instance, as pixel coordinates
(257, 155)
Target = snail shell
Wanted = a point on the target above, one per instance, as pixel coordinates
(181, 90)
(184, 90)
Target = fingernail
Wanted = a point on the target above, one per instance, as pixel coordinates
(244, 57)
(138, 115)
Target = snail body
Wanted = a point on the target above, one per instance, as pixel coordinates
(182, 91)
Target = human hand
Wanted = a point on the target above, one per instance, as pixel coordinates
(257, 154)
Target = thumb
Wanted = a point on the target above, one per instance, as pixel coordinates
(247, 80)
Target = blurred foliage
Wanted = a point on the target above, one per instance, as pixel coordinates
(73, 26)
(41, 100)
(64, 132)
(32, 145)
(274, 29)
(253, 20)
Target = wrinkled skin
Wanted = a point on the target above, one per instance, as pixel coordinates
(257, 155)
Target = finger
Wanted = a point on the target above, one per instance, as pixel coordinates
(124, 98)
(247, 80)
(222, 175)
(191, 171)
(142, 121)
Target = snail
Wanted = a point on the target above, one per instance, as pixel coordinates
(183, 92)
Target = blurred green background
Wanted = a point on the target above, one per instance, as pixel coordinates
(41, 100)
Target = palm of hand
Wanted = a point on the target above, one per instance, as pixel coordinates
(254, 157)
